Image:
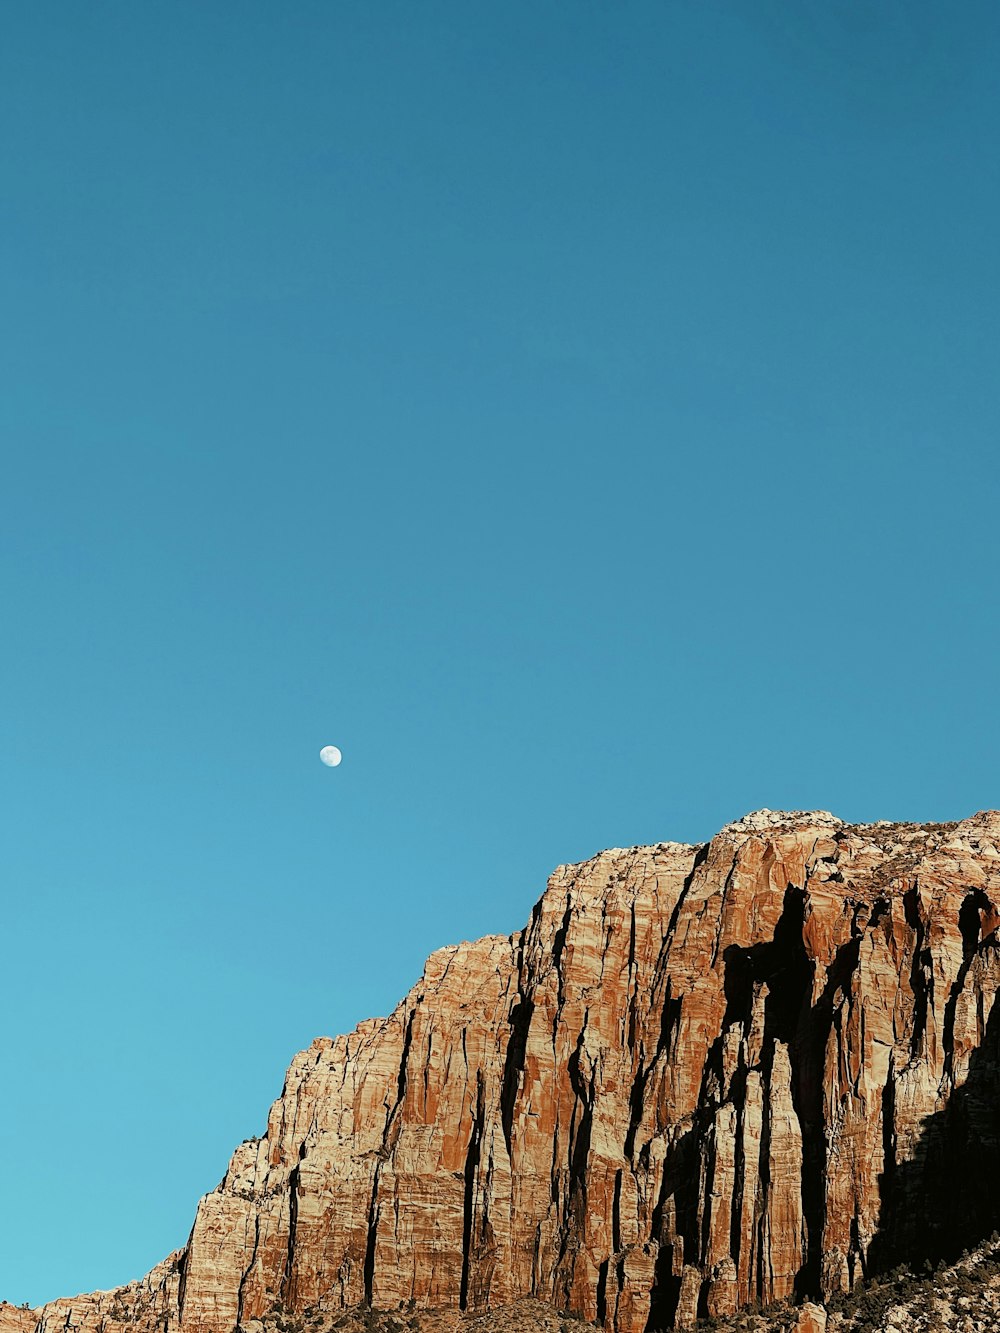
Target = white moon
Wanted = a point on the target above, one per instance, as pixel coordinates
(330, 756)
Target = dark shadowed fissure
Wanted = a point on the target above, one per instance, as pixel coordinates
(670, 1017)
(182, 1270)
(241, 1290)
(945, 1197)
(670, 1010)
(969, 925)
(680, 1186)
(293, 1221)
(573, 1227)
(368, 1271)
(405, 1053)
(580, 1131)
(293, 1218)
(472, 1159)
(783, 967)
(602, 1292)
(513, 1065)
(921, 972)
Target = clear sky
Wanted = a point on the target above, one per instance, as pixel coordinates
(583, 414)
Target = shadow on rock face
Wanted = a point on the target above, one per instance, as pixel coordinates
(946, 1197)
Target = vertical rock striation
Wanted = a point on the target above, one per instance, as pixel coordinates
(700, 1076)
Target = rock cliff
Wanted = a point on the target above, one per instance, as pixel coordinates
(701, 1076)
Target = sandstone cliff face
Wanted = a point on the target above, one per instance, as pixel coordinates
(700, 1076)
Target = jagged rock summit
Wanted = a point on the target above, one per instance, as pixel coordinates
(701, 1076)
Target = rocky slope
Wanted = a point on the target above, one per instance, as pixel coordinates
(702, 1076)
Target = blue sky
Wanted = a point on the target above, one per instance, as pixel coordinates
(584, 415)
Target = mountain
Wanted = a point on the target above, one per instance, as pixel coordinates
(755, 1071)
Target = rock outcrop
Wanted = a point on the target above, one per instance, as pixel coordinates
(701, 1076)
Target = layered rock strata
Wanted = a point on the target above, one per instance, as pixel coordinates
(701, 1076)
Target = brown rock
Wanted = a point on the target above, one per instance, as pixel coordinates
(700, 1076)
(811, 1319)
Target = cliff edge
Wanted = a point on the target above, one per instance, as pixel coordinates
(702, 1076)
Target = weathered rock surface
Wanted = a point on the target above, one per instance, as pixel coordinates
(701, 1076)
